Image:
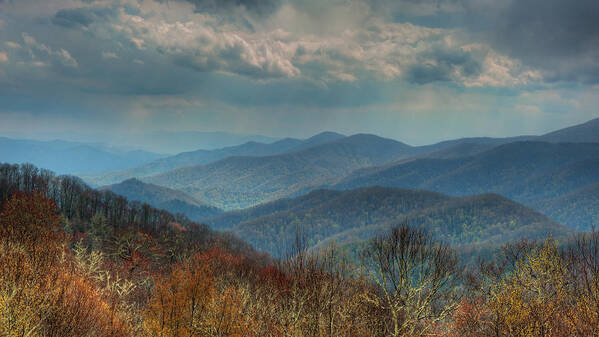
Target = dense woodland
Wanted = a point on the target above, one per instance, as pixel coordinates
(356, 215)
(78, 262)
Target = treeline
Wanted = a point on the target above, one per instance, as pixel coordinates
(57, 281)
(76, 200)
(103, 213)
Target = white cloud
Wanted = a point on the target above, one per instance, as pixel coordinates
(66, 58)
(367, 48)
(139, 43)
(109, 55)
(340, 41)
(501, 71)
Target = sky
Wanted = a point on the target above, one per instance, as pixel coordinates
(419, 71)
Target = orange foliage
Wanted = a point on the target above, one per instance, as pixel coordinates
(187, 302)
(30, 219)
(39, 293)
(47, 289)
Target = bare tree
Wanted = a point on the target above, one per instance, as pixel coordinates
(583, 262)
(418, 278)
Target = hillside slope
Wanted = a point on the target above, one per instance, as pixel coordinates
(524, 171)
(578, 209)
(176, 202)
(582, 133)
(347, 216)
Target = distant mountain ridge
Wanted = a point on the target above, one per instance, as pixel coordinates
(173, 142)
(65, 157)
(201, 157)
(176, 202)
(587, 132)
(446, 149)
(346, 216)
(239, 182)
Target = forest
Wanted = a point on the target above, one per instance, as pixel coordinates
(80, 262)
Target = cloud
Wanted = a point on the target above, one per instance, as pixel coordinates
(261, 61)
(12, 45)
(561, 38)
(40, 53)
(498, 70)
(81, 17)
(202, 46)
(29, 40)
(257, 7)
(109, 55)
(319, 42)
(376, 48)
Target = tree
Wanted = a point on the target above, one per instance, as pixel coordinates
(534, 299)
(99, 230)
(583, 265)
(417, 277)
(40, 295)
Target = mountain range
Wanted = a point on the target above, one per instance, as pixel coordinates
(183, 141)
(241, 181)
(526, 168)
(201, 157)
(526, 172)
(332, 187)
(65, 157)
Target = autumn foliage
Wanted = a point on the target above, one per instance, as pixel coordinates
(40, 294)
(69, 275)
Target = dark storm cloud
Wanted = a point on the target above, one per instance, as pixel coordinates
(446, 63)
(74, 17)
(260, 7)
(427, 73)
(561, 37)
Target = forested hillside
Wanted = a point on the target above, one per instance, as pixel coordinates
(176, 202)
(526, 172)
(347, 216)
(578, 209)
